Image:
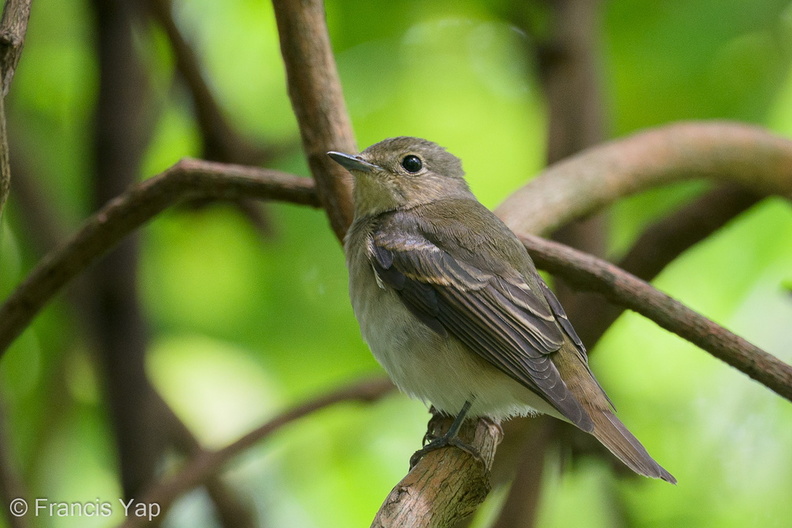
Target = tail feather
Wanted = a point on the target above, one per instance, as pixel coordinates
(621, 442)
(608, 429)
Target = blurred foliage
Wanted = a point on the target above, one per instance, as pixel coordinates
(244, 325)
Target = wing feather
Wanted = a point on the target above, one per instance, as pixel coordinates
(498, 317)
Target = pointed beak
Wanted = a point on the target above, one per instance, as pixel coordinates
(353, 163)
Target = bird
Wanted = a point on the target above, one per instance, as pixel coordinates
(451, 305)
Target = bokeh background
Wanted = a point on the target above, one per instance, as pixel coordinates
(246, 313)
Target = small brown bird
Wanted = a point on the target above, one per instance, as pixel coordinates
(451, 304)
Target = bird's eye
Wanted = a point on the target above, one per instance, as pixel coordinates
(412, 163)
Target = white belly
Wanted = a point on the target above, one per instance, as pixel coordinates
(437, 370)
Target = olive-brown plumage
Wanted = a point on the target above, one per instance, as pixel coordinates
(451, 304)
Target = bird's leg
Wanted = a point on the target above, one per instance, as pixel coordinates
(450, 438)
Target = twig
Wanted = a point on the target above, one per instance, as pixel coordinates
(208, 463)
(446, 485)
(597, 177)
(318, 102)
(590, 273)
(188, 179)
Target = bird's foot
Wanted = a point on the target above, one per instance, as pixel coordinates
(441, 442)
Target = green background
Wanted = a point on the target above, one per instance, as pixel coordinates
(245, 325)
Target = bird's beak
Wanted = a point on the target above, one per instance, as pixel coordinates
(353, 163)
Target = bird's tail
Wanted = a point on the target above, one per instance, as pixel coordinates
(621, 442)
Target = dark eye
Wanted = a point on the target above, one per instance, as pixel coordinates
(412, 163)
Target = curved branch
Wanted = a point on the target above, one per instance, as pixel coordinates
(318, 103)
(188, 179)
(590, 273)
(584, 183)
(207, 463)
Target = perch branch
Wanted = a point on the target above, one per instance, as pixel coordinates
(446, 485)
(597, 177)
(593, 274)
(188, 179)
(207, 463)
(318, 103)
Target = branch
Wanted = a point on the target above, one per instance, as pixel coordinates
(121, 133)
(526, 442)
(208, 463)
(590, 273)
(188, 179)
(446, 485)
(13, 27)
(318, 102)
(597, 177)
(662, 242)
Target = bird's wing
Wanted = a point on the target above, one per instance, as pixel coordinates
(497, 315)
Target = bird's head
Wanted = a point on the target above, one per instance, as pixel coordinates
(402, 172)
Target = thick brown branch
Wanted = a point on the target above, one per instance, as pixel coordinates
(207, 463)
(13, 27)
(597, 177)
(590, 273)
(446, 485)
(318, 102)
(188, 179)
